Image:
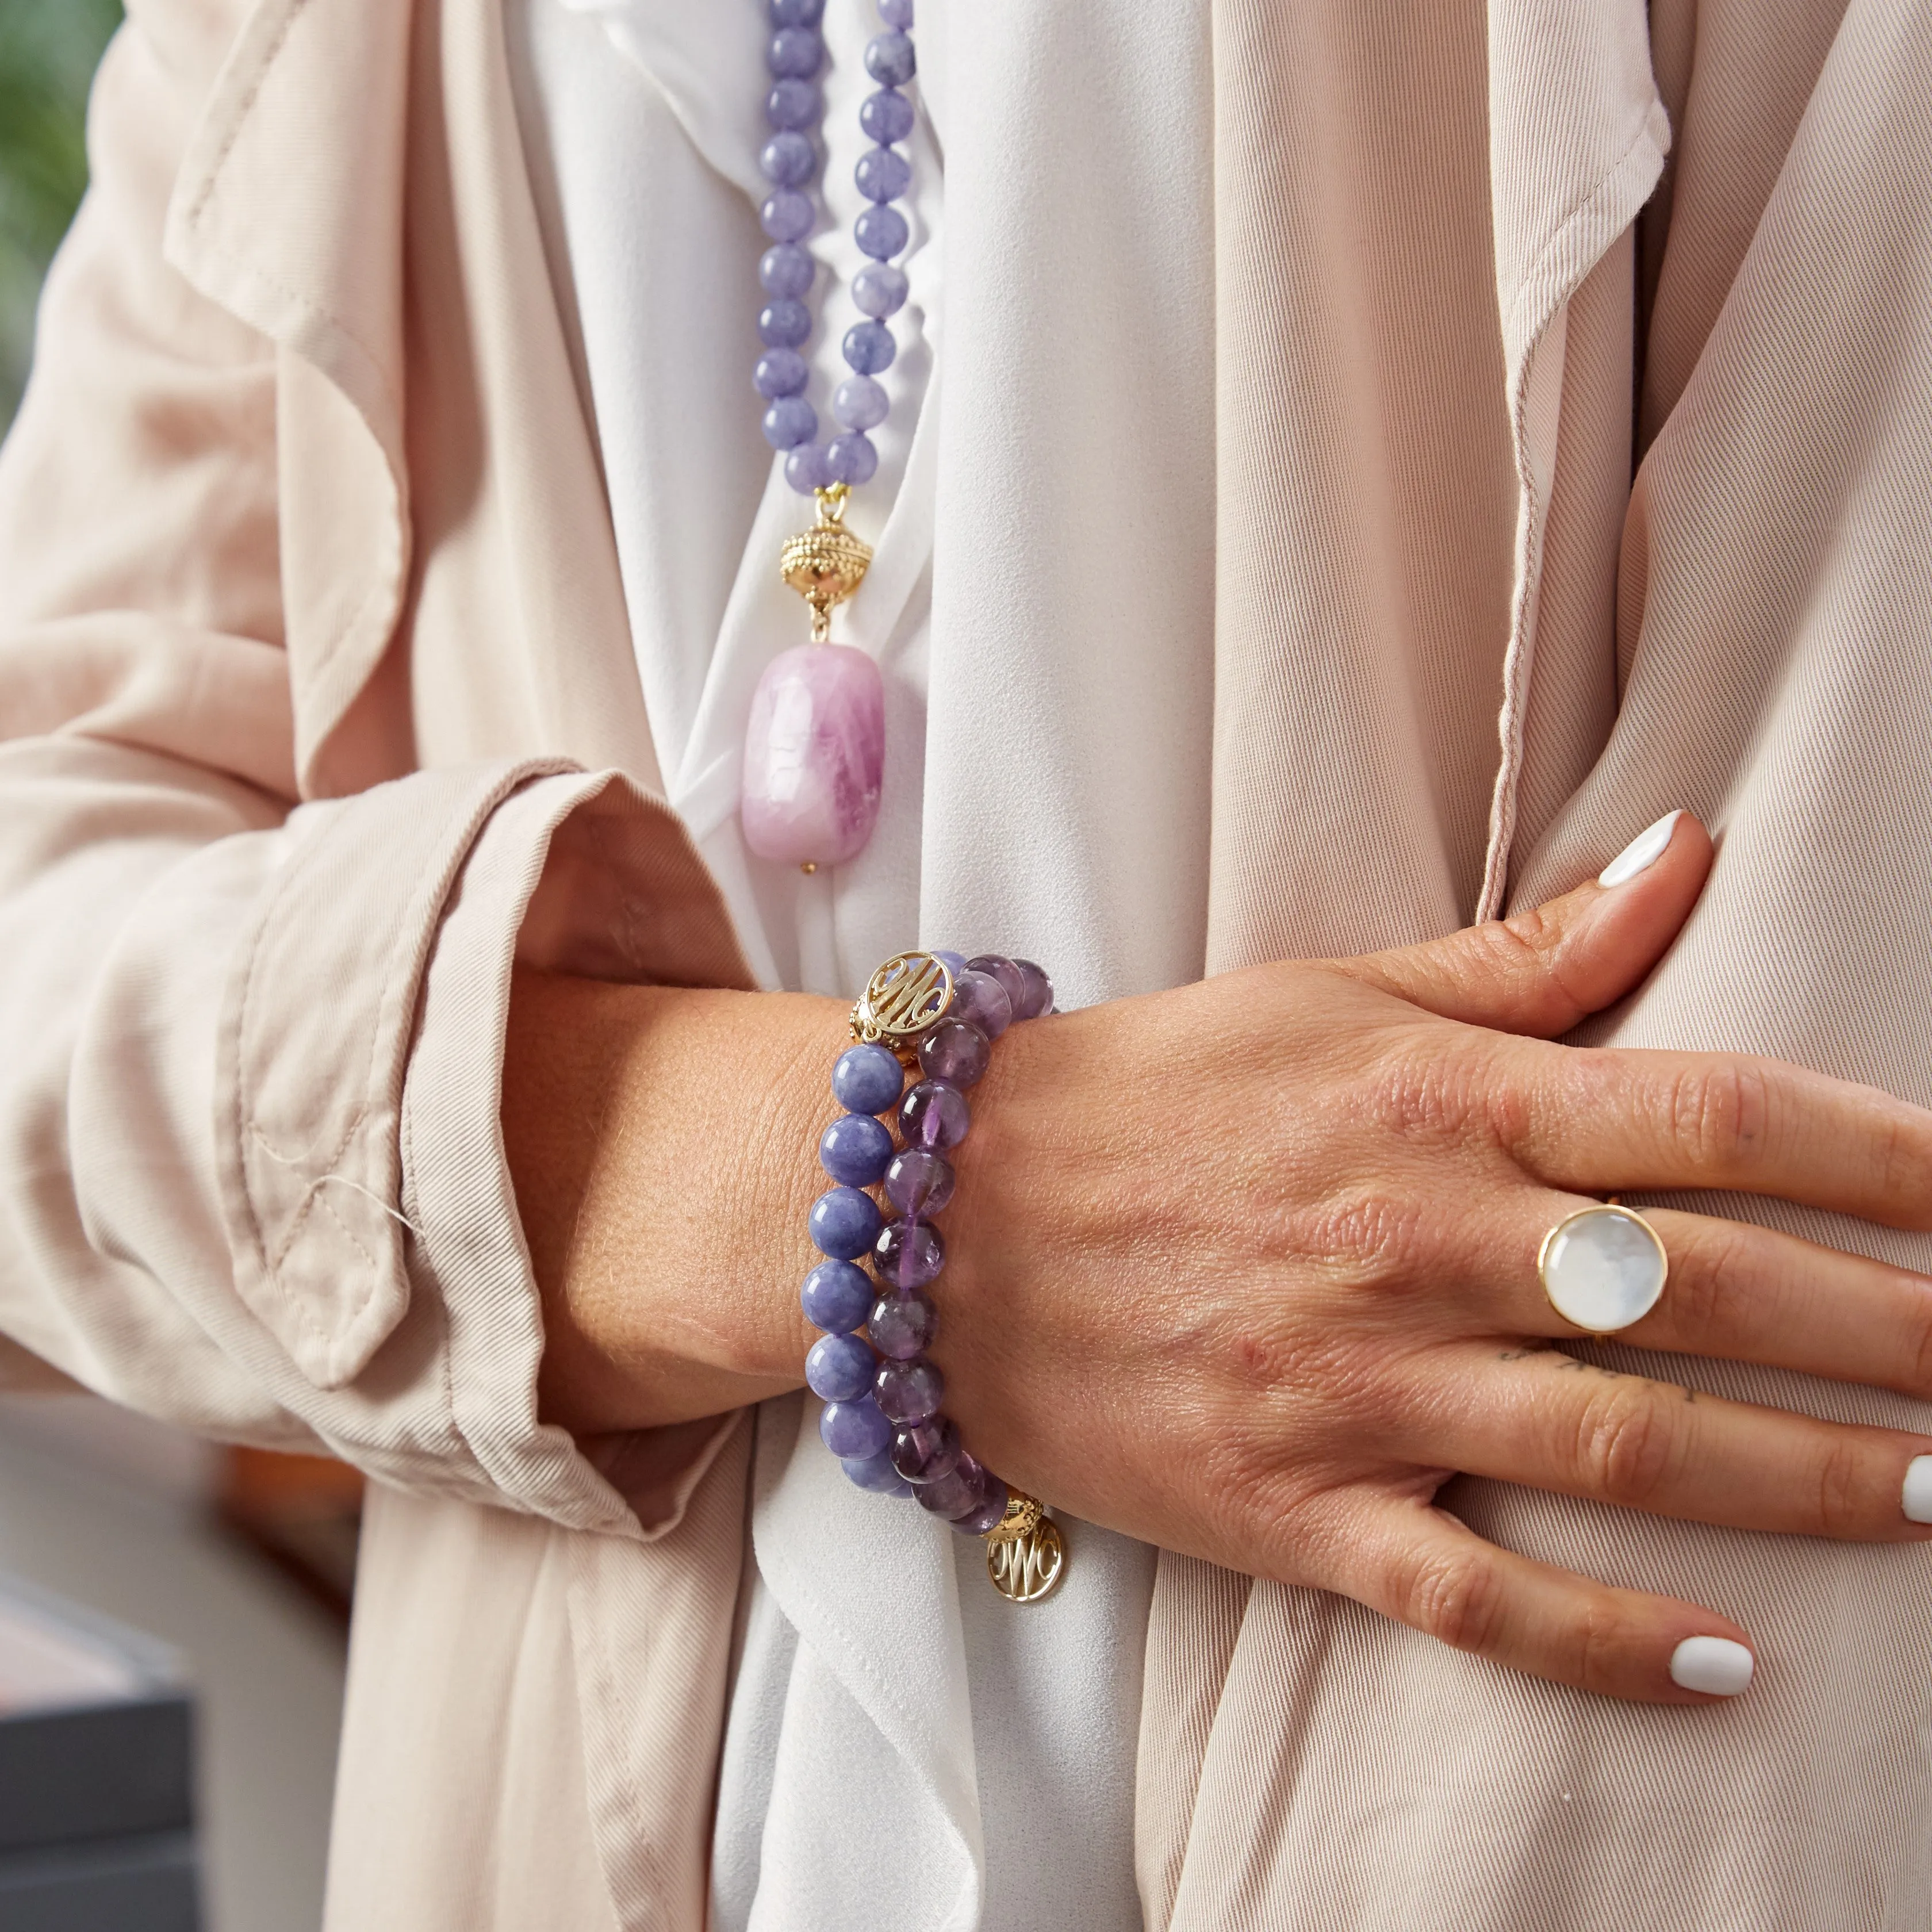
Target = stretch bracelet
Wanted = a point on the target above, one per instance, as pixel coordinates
(938, 1013)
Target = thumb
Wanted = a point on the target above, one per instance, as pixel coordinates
(1540, 972)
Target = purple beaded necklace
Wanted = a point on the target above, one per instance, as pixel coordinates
(815, 744)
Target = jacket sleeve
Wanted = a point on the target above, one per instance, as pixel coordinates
(252, 1177)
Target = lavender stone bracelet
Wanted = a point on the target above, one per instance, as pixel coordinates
(940, 1013)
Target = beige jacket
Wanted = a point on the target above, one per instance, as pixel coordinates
(310, 628)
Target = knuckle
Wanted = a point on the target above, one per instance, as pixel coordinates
(1842, 1489)
(1918, 1338)
(1599, 1642)
(1457, 1599)
(1374, 1240)
(1705, 1275)
(1428, 1097)
(1626, 1451)
(1720, 1113)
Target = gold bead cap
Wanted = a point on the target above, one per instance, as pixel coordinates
(826, 564)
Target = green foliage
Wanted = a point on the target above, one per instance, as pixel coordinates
(48, 52)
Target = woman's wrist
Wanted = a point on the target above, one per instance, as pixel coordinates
(653, 1135)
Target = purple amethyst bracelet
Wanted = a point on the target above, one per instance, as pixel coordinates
(939, 1013)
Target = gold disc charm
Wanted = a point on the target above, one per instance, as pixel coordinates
(1026, 1555)
(910, 992)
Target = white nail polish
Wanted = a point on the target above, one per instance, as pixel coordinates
(1917, 1498)
(1714, 1665)
(1641, 854)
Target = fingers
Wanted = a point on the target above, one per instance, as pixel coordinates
(1540, 972)
(1420, 1566)
(1551, 1421)
(1608, 1121)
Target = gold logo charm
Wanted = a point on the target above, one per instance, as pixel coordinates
(910, 992)
(826, 564)
(1026, 1555)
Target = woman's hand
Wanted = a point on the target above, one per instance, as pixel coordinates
(1248, 1270)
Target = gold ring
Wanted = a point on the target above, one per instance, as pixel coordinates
(1603, 1268)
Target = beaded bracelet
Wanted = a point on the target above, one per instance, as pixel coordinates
(939, 1013)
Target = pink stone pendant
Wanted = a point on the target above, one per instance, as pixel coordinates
(815, 750)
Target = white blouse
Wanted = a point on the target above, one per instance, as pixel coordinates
(900, 1738)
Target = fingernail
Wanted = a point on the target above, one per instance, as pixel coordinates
(1714, 1665)
(1641, 854)
(1917, 1498)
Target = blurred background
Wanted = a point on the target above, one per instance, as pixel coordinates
(241, 1563)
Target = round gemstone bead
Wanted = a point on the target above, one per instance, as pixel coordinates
(880, 232)
(869, 347)
(840, 1368)
(851, 458)
(793, 104)
(908, 1253)
(780, 372)
(897, 13)
(903, 1325)
(881, 174)
(789, 160)
(837, 1297)
(805, 468)
(788, 214)
(927, 1450)
(867, 1079)
(783, 324)
(934, 1115)
(808, 13)
(954, 1494)
(919, 1183)
(907, 1392)
(786, 269)
(860, 403)
(889, 59)
(1039, 996)
(790, 420)
(886, 116)
(843, 1223)
(986, 1513)
(855, 1431)
(954, 1050)
(955, 963)
(795, 53)
(1008, 975)
(880, 289)
(856, 1150)
(980, 1000)
(876, 1473)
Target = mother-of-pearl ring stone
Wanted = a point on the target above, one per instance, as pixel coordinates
(1602, 1268)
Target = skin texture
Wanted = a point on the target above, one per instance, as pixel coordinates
(1247, 1269)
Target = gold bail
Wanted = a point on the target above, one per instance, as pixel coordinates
(826, 564)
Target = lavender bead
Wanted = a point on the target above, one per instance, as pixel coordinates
(1038, 997)
(785, 324)
(796, 53)
(793, 104)
(908, 1392)
(867, 1079)
(851, 458)
(806, 13)
(860, 403)
(903, 1325)
(876, 1473)
(780, 372)
(843, 1223)
(985, 1515)
(856, 1150)
(788, 215)
(880, 289)
(886, 116)
(1006, 972)
(955, 1051)
(805, 468)
(919, 1183)
(790, 420)
(881, 174)
(880, 232)
(788, 160)
(897, 13)
(934, 1116)
(908, 1253)
(980, 1000)
(926, 1451)
(840, 1368)
(869, 347)
(855, 1431)
(954, 1494)
(837, 1297)
(786, 269)
(955, 963)
(889, 59)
